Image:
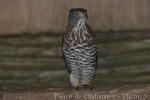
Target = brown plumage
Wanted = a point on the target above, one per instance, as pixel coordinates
(79, 48)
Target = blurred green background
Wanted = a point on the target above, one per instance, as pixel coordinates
(34, 61)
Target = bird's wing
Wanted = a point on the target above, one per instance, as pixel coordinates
(67, 65)
(66, 36)
(93, 35)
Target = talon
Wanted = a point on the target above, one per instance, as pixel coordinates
(91, 88)
(76, 88)
(85, 85)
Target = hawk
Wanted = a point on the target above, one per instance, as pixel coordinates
(79, 49)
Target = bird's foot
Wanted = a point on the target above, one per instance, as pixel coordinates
(76, 88)
(85, 86)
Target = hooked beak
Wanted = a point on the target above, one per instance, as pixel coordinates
(82, 15)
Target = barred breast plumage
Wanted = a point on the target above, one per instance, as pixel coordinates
(80, 50)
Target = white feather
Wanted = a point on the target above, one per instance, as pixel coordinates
(74, 81)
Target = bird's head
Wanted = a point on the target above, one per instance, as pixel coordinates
(75, 14)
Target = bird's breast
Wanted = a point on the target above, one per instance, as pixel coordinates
(79, 39)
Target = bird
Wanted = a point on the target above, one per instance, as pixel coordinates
(79, 49)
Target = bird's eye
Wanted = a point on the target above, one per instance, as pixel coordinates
(84, 13)
(77, 14)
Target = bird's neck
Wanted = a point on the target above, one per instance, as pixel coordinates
(80, 26)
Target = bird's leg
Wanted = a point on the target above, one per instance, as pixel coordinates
(91, 88)
(76, 88)
(88, 87)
